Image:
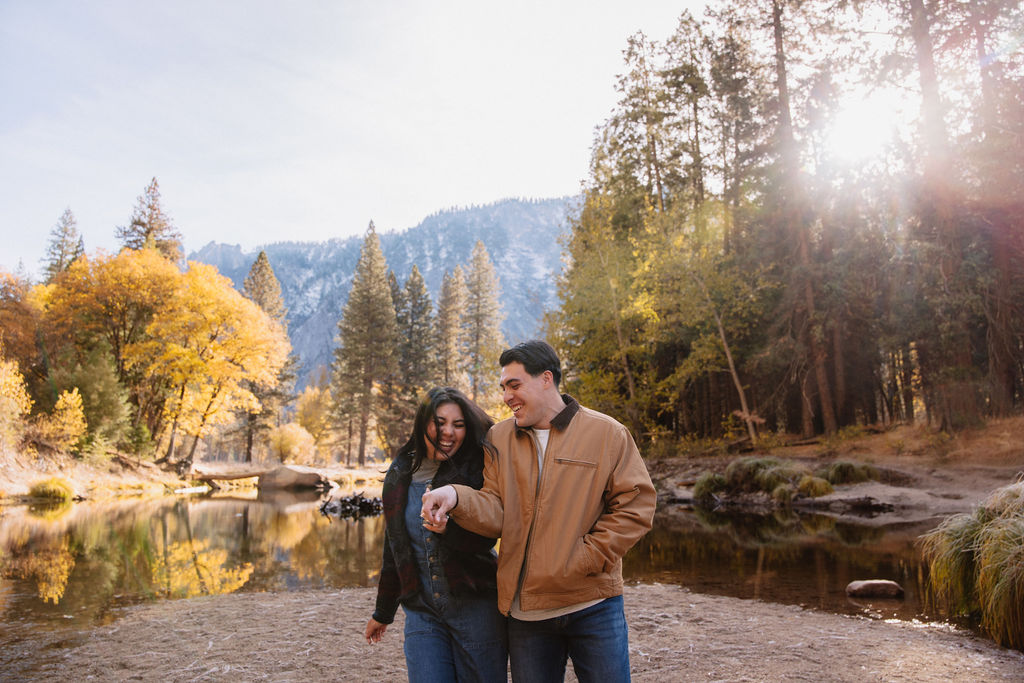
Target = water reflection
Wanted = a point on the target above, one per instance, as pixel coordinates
(784, 557)
(73, 565)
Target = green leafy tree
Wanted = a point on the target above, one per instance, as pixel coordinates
(367, 338)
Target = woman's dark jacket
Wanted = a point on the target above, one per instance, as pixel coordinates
(468, 561)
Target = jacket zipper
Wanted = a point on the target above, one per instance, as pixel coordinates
(533, 517)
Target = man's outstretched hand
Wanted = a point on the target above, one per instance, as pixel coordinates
(436, 504)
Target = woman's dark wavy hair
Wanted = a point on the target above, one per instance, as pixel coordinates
(477, 422)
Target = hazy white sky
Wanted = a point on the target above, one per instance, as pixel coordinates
(268, 121)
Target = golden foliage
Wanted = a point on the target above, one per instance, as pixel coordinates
(50, 567)
(15, 402)
(207, 343)
(190, 569)
(291, 443)
(66, 426)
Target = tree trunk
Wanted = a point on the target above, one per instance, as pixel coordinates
(796, 220)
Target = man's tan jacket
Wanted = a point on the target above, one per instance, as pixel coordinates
(567, 532)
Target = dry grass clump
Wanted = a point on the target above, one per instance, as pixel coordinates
(846, 472)
(813, 487)
(976, 564)
(782, 480)
(706, 486)
(54, 488)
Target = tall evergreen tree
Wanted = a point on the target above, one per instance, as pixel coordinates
(151, 227)
(392, 429)
(417, 346)
(481, 325)
(263, 288)
(64, 247)
(416, 359)
(367, 336)
(451, 307)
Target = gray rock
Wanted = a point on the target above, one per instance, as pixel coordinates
(294, 477)
(874, 588)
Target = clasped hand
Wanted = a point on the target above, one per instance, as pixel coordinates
(436, 504)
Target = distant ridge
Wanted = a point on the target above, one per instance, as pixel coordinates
(522, 237)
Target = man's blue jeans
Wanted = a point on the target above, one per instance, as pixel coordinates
(596, 640)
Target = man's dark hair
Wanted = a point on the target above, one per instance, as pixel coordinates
(536, 355)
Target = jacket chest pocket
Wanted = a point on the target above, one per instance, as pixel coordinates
(575, 461)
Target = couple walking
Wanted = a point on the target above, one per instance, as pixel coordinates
(566, 491)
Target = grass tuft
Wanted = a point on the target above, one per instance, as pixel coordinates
(846, 472)
(976, 564)
(706, 486)
(812, 487)
(54, 488)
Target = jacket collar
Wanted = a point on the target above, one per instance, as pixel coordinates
(562, 420)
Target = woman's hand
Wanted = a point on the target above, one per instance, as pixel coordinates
(374, 631)
(436, 527)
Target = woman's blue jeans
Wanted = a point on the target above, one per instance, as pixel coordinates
(596, 639)
(467, 644)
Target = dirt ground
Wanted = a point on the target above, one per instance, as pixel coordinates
(675, 635)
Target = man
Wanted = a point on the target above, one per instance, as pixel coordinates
(568, 494)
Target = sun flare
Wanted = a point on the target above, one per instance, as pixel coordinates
(864, 127)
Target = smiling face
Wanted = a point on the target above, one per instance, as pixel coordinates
(447, 431)
(528, 396)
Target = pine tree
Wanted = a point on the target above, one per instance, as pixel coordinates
(262, 287)
(416, 360)
(391, 396)
(151, 227)
(482, 340)
(367, 333)
(451, 307)
(65, 246)
(418, 356)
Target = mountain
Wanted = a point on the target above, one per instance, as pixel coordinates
(521, 236)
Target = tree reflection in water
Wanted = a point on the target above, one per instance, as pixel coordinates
(783, 557)
(74, 568)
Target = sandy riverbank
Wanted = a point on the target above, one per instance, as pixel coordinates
(675, 635)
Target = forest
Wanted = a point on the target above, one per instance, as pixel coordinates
(800, 218)
(750, 261)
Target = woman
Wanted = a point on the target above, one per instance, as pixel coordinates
(444, 577)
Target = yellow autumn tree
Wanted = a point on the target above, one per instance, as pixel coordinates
(111, 300)
(65, 427)
(204, 346)
(15, 402)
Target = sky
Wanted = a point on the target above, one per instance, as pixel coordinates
(270, 121)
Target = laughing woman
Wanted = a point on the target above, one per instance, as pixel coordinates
(444, 577)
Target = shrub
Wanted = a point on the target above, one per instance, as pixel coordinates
(706, 486)
(976, 563)
(65, 427)
(54, 488)
(812, 487)
(291, 443)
